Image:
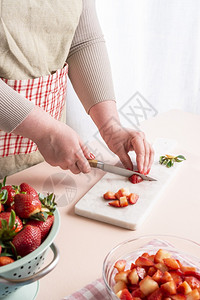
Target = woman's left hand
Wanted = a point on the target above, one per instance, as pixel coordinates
(124, 140)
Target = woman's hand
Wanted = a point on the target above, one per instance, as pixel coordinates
(121, 140)
(59, 144)
(124, 140)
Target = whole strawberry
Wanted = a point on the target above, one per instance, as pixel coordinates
(27, 240)
(27, 205)
(44, 226)
(26, 188)
(11, 194)
(6, 216)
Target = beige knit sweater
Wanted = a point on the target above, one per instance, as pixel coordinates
(89, 68)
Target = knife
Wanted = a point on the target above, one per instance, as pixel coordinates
(116, 170)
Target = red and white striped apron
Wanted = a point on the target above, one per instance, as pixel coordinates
(47, 92)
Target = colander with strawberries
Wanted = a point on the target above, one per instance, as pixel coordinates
(29, 223)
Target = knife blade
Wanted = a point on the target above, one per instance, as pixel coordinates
(117, 170)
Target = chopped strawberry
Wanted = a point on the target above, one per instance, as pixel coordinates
(157, 276)
(193, 295)
(184, 288)
(132, 198)
(109, 196)
(5, 260)
(27, 240)
(156, 295)
(171, 263)
(143, 262)
(160, 255)
(27, 205)
(114, 203)
(137, 293)
(148, 285)
(120, 265)
(141, 272)
(135, 179)
(176, 277)
(166, 277)
(44, 226)
(133, 277)
(123, 201)
(121, 193)
(122, 276)
(152, 271)
(193, 282)
(119, 286)
(17, 222)
(126, 295)
(169, 288)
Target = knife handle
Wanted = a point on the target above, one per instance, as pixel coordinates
(93, 162)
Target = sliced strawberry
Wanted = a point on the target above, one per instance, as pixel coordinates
(27, 205)
(126, 295)
(44, 226)
(132, 198)
(6, 216)
(114, 203)
(152, 271)
(178, 297)
(27, 240)
(5, 260)
(135, 179)
(120, 265)
(109, 196)
(123, 201)
(193, 295)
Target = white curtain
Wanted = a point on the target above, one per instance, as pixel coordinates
(154, 50)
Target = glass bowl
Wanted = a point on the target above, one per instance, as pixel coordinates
(187, 251)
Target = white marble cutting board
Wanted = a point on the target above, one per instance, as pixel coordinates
(93, 206)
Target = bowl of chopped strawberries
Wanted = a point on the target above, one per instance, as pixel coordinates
(29, 223)
(153, 268)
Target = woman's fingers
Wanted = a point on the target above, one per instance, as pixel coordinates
(144, 153)
(139, 148)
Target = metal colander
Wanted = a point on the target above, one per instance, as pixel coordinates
(29, 268)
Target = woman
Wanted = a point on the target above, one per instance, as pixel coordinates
(40, 40)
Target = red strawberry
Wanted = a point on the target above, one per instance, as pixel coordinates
(27, 205)
(6, 216)
(133, 198)
(126, 295)
(27, 240)
(1, 207)
(11, 194)
(109, 196)
(0, 249)
(26, 188)
(44, 226)
(135, 179)
(114, 203)
(5, 260)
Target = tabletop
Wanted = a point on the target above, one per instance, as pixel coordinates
(83, 243)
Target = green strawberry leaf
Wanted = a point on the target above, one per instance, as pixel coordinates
(4, 181)
(181, 157)
(3, 196)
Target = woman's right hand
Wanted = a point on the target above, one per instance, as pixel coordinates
(59, 144)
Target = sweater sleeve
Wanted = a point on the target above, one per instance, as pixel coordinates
(89, 66)
(14, 108)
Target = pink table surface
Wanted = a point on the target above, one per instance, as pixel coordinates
(84, 243)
